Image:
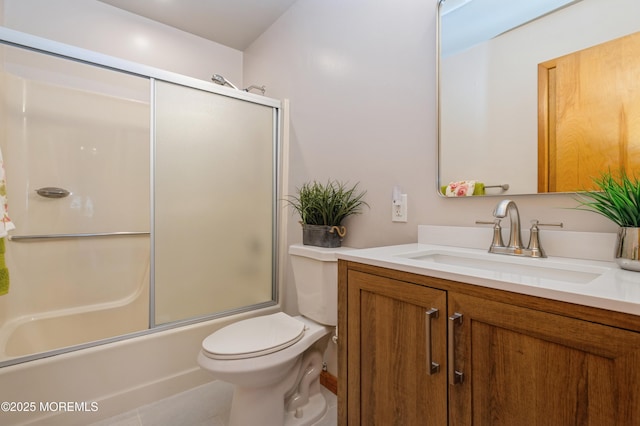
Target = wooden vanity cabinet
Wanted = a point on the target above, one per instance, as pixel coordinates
(519, 360)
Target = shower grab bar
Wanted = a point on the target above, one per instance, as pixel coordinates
(67, 236)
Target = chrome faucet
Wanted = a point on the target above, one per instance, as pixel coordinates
(514, 247)
(509, 207)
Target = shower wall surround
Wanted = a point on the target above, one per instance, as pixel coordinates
(190, 169)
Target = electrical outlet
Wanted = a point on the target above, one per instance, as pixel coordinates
(399, 209)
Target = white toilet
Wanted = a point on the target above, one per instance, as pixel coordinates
(274, 361)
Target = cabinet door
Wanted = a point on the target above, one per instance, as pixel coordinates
(526, 367)
(390, 335)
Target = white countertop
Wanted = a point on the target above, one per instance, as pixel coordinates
(596, 283)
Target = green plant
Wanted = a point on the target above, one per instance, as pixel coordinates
(327, 204)
(618, 198)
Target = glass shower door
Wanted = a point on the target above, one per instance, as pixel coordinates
(213, 203)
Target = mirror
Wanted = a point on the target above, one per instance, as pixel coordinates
(490, 58)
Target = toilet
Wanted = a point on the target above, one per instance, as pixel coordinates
(274, 361)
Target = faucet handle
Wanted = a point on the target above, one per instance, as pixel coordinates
(534, 238)
(536, 223)
(534, 241)
(497, 232)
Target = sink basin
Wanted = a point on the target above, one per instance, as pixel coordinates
(512, 268)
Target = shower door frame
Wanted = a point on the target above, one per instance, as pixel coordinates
(41, 45)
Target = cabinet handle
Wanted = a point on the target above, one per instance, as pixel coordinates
(432, 367)
(455, 377)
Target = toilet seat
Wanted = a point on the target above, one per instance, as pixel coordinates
(254, 337)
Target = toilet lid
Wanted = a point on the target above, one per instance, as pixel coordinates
(254, 337)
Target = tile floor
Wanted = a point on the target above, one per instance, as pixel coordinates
(206, 405)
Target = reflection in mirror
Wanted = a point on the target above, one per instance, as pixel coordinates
(589, 114)
(489, 96)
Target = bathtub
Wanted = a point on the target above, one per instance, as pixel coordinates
(48, 331)
(51, 307)
(112, 378)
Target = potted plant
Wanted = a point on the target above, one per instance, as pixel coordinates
(323, 207)
(618, 199)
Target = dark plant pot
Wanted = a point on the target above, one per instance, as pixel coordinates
(322, 235)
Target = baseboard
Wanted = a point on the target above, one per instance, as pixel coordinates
(329, 381)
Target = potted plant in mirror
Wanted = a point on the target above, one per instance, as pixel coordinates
(618, 199)
(323, 207)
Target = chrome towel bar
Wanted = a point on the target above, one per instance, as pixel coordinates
(68, 236)
(503, 186)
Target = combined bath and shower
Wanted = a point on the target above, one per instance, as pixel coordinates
(218, 79)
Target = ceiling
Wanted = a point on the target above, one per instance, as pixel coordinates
(233, 23)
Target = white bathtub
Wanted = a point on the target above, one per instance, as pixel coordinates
(117, 377)
(47, 331)
(50, 306)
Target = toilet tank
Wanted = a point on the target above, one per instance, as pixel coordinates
(315, 272)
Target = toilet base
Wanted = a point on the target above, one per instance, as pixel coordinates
(244, 413)
(309, 414)
(295, 401)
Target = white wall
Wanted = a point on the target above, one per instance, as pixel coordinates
(96, 26)
(361, 78)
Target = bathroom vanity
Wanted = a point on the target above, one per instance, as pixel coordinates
(440, 335)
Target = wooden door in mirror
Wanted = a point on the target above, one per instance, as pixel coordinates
(589, 115)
